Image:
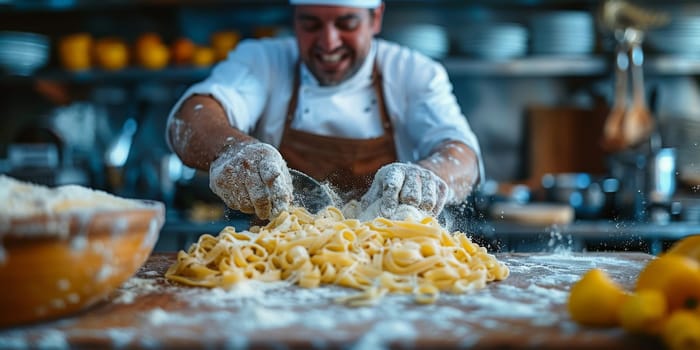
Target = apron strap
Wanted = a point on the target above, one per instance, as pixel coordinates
(293, 99)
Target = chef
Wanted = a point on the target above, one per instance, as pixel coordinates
(376, 120)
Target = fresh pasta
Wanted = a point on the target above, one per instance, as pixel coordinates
(376, 257)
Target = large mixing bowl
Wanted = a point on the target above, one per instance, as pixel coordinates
(53, 265)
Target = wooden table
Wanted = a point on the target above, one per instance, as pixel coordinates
(527, 310)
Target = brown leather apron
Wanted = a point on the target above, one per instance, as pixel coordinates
(346, 163)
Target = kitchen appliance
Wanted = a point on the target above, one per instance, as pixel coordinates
(647, 184)
(661, 185)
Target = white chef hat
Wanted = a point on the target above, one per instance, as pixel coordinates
(346, 3)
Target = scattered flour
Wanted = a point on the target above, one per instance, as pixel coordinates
(385, 332)
(256, 311)
(52, 339)
(135, 287)
(121, 337)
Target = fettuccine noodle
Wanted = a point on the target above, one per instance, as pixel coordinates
(377, 256)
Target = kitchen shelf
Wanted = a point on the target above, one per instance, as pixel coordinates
(673, 65)
(52, 5)
(529, 66)
(567, 66)
(170, 74)
(593, 66)
(68, 5)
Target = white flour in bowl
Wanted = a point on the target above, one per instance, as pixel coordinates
(23, 199)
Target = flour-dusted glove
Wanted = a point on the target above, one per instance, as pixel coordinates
(399, 184)
(252, 178)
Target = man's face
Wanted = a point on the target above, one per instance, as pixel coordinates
(334, 41)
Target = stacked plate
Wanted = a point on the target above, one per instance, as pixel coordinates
(429, 39)
(680, 37)
(492, 40)
(22, 53)
(563, 33)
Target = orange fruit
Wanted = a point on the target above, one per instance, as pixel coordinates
(224, 41)
(182, 50)
(154, 56)
(74, 51)
(688, 246)
(595, 300)
(203, 56)
(677, 277)
(644, 312)
(146, 40)
(682, 331)
(150, 51)
(111, 53)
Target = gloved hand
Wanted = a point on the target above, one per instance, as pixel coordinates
(399, 184)
(252, 178)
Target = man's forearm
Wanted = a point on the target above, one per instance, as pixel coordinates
(458, 165)
(200, 131)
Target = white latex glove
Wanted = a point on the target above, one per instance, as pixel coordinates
(399, 184)
(252, 178)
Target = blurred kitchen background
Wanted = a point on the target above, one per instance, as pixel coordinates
(86, 86)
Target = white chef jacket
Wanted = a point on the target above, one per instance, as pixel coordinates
(254, 85)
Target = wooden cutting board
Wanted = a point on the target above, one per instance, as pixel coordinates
(543, 214)
(526, 311)
(564, 140)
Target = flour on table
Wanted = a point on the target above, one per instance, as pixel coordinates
(255, 311)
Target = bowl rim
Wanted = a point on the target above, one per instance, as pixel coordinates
(63, 225)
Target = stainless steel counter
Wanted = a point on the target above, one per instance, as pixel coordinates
(587, 235)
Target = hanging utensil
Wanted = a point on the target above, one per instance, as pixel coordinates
(620, 14)
(639, 123)
(613, 137)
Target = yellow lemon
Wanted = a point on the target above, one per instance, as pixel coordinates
(182, 50)
(203, 56)
(595, 300)
(146, 40)
(150, 51)
(682, 331)
(74, 51)
(688, 246)
(677, 277)
(224, 41)
(153, 56)
(644, 312)
(111, 53)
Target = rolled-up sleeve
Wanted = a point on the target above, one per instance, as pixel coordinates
(238, 83)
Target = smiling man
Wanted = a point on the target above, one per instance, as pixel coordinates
(376, 120)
